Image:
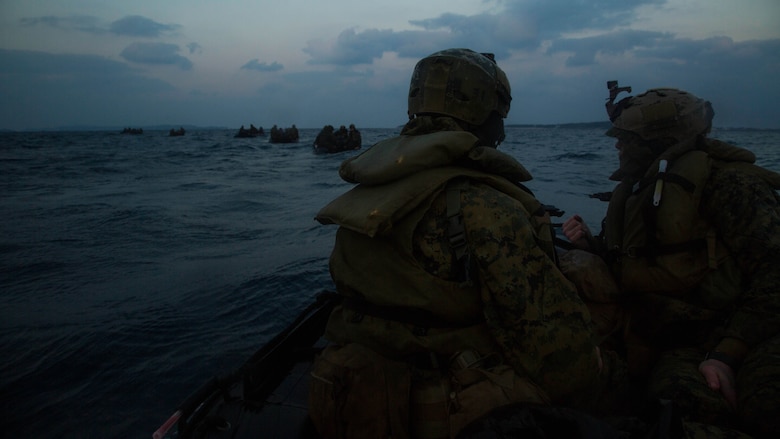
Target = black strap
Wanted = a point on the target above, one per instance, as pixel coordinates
(650, 215)
(652, 248)
(677, 179)
(456, 232)
(724, 358)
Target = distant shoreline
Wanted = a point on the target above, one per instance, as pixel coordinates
(601, 124)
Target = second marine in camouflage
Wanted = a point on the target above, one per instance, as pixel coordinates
(692, 235)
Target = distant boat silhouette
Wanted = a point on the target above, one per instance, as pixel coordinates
(284, 135)
(251, 132)
(330, 141)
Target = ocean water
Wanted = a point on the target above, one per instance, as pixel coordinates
(134, 268)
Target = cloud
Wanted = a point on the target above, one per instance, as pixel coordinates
(45, 73)
(615, 43)
(81, 23)
(138, 26)
(355, 48)
(352, 48)
(522, 25)
(262, 67)
(553, 18)
(341, 96)
(483, 32)
(557, 53)
(717, 50)
(155, 54)
(131, 25)
(570, 49)
(738, 77)
(194, 48)
(486, 32)
(664, 47)
(52, 89)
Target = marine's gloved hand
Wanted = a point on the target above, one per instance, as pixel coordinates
(577, 232)
(721, 378)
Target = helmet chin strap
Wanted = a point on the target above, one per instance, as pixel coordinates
(491, 133)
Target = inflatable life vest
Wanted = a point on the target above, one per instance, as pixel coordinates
(390, 314)
(654, 231)
(655, 234)
(400, 177)
(408, 313)
(666, 255)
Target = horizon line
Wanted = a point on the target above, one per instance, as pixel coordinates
(167, 127)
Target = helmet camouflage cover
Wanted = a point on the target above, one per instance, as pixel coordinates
(459, 83)
(662, 113)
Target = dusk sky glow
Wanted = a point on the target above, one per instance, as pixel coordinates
(230, 63)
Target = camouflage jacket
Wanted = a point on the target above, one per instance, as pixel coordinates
(712, 280)
(393, 250)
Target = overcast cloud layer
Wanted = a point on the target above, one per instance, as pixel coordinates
(146, 62)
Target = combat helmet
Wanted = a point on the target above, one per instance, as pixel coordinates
(659, 113)
(459, 83)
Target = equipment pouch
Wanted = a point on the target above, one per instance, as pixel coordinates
(501, 386)
(357, 393)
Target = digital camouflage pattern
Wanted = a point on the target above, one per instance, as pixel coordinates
(532, 313)
(676, 377)
(739, 200)
(698, 430)
(745, 209)
(734, 308)
(747, 212)
(662, 113)
(459, 83)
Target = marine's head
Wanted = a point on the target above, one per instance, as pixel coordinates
(648, 124)
(661, 113)
(462, 84)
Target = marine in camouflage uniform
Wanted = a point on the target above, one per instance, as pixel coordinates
(692, 235)
(442, 251)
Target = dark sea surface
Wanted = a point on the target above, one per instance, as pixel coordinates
(134, 268)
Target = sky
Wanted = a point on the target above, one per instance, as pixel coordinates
(226, 63)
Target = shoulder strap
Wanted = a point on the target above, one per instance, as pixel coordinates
(456, 231)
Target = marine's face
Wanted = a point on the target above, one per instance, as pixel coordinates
(634, 157)
(629, 151)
